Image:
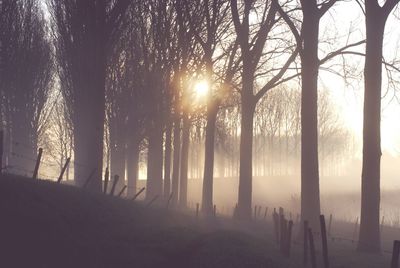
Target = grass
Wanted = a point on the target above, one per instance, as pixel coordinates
(48, 225)
(43, 224)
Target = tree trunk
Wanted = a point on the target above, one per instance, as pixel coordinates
(184, 161)
(167, 160)
(133, 167)
(155, 162)
(88, 138)
(117, 155)
(207, 197)
(89, 106)
(310, 202)
(369, 238)
(244, 209)
(176, 159)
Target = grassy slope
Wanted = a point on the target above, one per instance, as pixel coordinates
(43, 224)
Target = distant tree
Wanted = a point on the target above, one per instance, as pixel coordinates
(376, 15)
(60, 133)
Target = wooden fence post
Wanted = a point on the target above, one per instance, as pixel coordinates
(312, 249)
(215, 210)
(395, 254)
(152, 201)
(235, 210)
(355, 230)
(197, 210)
(169, 199)
(1, 150)
(330, 225)
(36, 170)
(305, 243)
(281, 212)
(275, 219)
(324, 241)
(89, 178)
(106, 178)
(138, 193)
(122, 191)
(265, 212)
(63, 170)
(116, 178)
(289, 238)
(283, 233)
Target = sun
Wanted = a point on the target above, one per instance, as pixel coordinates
(201, 88)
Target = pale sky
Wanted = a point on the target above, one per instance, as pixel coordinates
(349, 99)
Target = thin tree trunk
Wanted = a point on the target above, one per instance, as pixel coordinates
(132, 167)
(117, 156)
(184, 161)
(155, 162)
(167, 161)
(208, 175)
(176, 159)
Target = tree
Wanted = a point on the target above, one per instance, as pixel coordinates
(26, 73)
(85, 32)
(307, 39)
(210, 24)
(60, 133)
(252, 39)
(375, 19)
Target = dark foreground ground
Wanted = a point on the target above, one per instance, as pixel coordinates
(43, 224)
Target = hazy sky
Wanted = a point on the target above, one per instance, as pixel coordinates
(349, 99)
